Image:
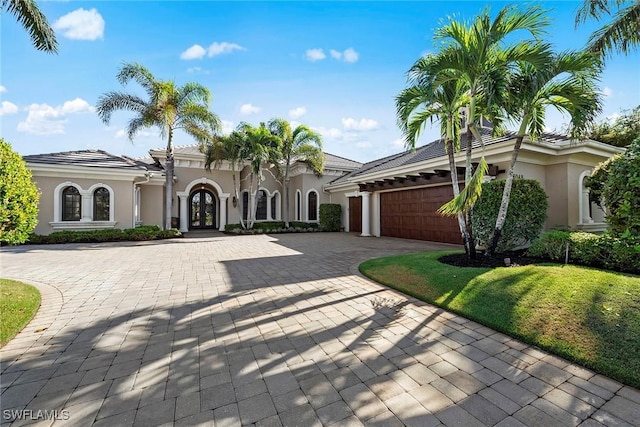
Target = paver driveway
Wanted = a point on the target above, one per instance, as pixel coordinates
(271, 330)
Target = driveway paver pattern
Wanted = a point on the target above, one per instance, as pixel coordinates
(270, 330)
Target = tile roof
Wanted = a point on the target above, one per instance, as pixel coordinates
(436, 149)
(91, 158)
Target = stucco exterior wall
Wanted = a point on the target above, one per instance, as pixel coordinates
(557, 190)
(122, 200)
(152, 204)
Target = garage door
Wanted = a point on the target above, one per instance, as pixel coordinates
(355, 214)
(411, 214)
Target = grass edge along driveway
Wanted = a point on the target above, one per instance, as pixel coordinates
(19, 302)
(583, 314)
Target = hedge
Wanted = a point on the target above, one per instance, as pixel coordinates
(146, 232)
(272, 227)
(618, 253)
(330, 217)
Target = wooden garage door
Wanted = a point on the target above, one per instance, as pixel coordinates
(355, 214)
(411, 214)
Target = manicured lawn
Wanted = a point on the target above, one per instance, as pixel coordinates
(18, 304)
(583, 314)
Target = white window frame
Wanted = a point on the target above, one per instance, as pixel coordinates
(86, 215)
(278, 213)
(313, 190)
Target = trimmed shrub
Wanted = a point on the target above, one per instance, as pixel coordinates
(525, 216)
(330, 217)
(18, 197)
(618, 253)
(147, 232)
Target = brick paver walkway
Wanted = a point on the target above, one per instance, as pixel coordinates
(271, 331)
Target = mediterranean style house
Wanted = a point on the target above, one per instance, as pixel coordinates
(394, 196)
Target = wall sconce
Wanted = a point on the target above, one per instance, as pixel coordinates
(234, 201)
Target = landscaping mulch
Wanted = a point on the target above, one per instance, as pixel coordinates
(498, 260)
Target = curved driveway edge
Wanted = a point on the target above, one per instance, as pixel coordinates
(270, 330)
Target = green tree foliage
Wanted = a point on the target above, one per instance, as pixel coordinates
(524, 220)
(621, 132)
(330, 217)
(621, 34)
(616, 183)
(19, 196)
(34, 21)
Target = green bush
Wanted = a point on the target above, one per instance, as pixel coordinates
(330, 217)
(525, 216)
(618, 253)
(147, 232)
(18, 197)
(272, 227)
(616, 183)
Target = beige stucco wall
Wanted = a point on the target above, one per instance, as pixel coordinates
(152, 204)
(122, 200)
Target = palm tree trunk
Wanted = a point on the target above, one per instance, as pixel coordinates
(169, 183)
(287, 182)
(506, 196)
(456, 192)
(236, 194)
(470, 241)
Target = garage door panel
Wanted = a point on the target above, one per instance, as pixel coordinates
(412, 214)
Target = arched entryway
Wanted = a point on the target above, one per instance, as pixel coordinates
(202, 209)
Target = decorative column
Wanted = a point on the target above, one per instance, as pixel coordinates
(87, 208)
(223, 210)
(183, 213)
(366, 231)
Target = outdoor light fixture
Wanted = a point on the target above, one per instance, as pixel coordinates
(234, 201)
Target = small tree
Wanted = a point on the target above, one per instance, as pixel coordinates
(620, 132)
(524, 220)
(616, 182)
(19, 196)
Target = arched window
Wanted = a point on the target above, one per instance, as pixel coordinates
(261, 209)
(71, 204)
(312, 206)
(274, 206)
(245, 205)
(101, 204)
(298, 205)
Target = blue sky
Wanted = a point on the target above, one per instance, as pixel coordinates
(335, 66)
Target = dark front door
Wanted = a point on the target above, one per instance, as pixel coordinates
(202, 209)
(355, 214)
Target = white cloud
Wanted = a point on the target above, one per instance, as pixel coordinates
(43, 119)
(612, 118)
(350, 55)
(247, 109)
(607, 92)
(335, 54)
(194, 52)
(298, 112)
(2, 89)
(8, 108)
(121, 134)
(331, 133)
(81, 24)
(223, 47)
(362, 124)
(363, 144)
(227, 127)
(315, 55)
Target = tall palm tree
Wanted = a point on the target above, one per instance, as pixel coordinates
(261, 149)
(33, 20)
(168, 107)
(419, 104)
(227, 148)
(568, 83)
(478, 54)
(622, 34)
(301, 144)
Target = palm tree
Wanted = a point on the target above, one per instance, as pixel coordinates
(261, 149)
(418, 104)
(227, 148)
(622, 34)
(301, 144)
(34, 21)
(478, 54)
(568, 83)
(168, 107)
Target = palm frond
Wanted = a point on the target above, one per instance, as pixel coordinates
(113, 101)
(469, 194)
(33, 20)
(139, 74)
(620, 35)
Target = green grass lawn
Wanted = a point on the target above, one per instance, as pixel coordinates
(583, 314)
(18, 304)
